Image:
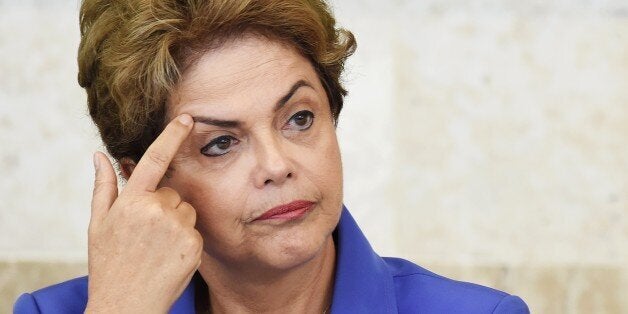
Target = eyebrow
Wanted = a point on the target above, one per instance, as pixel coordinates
(235, 123)
(230, 124)
(283, 100)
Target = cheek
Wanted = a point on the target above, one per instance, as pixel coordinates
(322, 163)
(219, 200)
(214, 193)
(328, 156)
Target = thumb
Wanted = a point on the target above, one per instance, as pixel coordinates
(105, 186)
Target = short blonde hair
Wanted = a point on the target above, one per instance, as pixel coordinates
(133, 52)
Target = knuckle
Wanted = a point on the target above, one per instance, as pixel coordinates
(149, 209)
(101, 184)
(167, 190)
(167, 193)
(175, 227)
(191, 247)
(188, 212)
(193, 240)
(153, 212)
(197, 243)
(157, 157)
(151, 202)
(187, 208)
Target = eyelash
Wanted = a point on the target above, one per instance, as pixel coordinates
(303, 114)
(228, 139)
(215, 142)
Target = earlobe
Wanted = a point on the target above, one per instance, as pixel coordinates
(127, 165)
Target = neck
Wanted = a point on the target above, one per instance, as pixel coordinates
(306, 288)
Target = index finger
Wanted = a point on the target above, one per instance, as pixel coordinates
(153, 165)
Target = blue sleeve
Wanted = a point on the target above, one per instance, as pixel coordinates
(26, 304)
(511, 305)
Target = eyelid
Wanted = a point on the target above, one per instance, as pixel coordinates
(203, 137)
(203, 134)
(304, 98)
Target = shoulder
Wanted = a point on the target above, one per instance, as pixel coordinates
(66, 297)
(418, 289)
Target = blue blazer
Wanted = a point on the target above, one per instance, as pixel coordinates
(364, 283)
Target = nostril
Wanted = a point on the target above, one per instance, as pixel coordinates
(277, 178)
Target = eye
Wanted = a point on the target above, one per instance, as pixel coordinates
(301, 120)
(219, 146)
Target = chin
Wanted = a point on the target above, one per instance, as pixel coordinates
(289, 252)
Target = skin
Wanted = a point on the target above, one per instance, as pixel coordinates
(276, 154)
(143, 225)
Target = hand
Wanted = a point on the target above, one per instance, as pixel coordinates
(142, 245)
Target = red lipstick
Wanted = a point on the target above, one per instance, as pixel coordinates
(288, 211)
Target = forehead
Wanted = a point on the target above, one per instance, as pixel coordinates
(241, 70)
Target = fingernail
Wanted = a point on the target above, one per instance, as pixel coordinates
(96, 162)
(185, 119)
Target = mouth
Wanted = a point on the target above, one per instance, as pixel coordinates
(290, 211)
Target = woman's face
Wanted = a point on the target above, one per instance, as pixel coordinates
(263, 137)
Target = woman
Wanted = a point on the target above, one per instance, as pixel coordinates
(222, 117)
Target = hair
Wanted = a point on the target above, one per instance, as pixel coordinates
(133, 53)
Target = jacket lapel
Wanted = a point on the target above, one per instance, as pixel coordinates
(363, 283)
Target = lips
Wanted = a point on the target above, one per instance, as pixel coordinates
(288, 211)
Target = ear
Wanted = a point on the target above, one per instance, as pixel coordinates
(127, 165)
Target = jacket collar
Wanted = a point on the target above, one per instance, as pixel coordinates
(363, 283)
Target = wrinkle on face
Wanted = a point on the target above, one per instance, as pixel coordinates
(234, 74)
(244, 81)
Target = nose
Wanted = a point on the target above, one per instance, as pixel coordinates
(273, 165)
